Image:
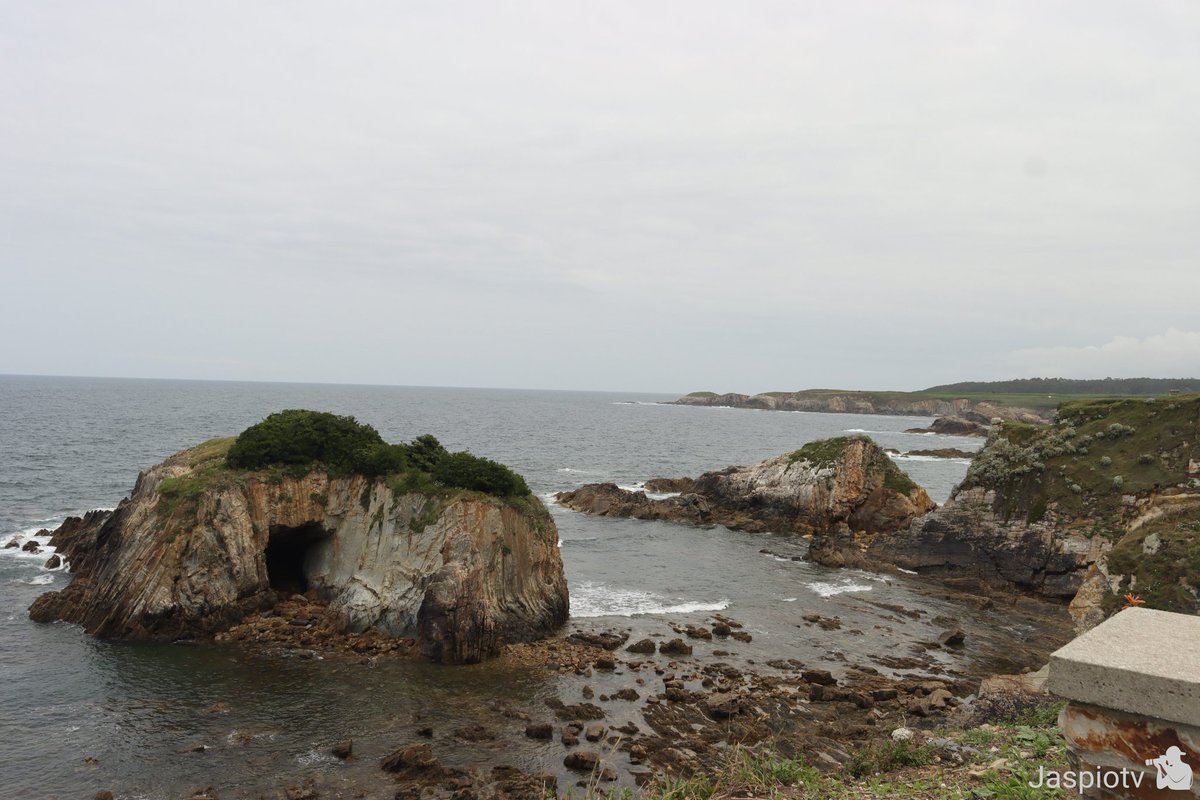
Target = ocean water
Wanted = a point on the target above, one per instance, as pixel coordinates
(163, 719)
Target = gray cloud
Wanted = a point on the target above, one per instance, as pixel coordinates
(633, 196)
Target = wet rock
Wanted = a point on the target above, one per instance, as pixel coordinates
(594, 733)
(668, 485)
(426, 732)
(413, 756)
(722, 705)
(474, 733)
(741, 636)
(578, 711)
(721, 629)
(826, 623)
(883, 695)
(819, 676)
(31, 547)
(608, 640)
(698, 632)
(953, 637)
(539, 730)
(644, 646)
(343, 749)
(13, 543)
(675, 647)
(53, 562)
(103, 794)
(604, 663)
(582, 760)
(570, 738)
(627, 693)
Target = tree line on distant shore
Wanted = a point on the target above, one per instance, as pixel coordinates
(1104, 386)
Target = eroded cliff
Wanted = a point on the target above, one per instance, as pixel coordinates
(198, 546)
(1101, 503)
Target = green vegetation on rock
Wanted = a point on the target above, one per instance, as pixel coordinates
(824, 452)
(299, 440)
(1073, 463)
(1160, 561)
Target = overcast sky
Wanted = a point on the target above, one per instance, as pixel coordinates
(652, 196)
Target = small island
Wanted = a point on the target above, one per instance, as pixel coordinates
(449, 551)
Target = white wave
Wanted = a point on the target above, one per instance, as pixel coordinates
(641, 487)
(314, 757)
(829, 588)
(592, 599)
(39, 580)
(907, 571)
(907, 457)
(856, 430)
(788, 599)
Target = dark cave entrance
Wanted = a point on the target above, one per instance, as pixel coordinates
(288, 550)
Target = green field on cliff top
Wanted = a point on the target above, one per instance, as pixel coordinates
(1037, 393)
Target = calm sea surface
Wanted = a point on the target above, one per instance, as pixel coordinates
(163, 719)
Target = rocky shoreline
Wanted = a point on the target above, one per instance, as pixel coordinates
(633, 701)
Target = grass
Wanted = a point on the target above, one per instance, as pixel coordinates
(824, 452)
(997, 760)
(179, 497)
(1145, 442)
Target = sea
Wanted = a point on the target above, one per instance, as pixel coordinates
(161, 720)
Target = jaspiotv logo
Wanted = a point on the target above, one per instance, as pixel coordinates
(1171, 772)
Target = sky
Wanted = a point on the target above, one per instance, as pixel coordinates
(665, 196)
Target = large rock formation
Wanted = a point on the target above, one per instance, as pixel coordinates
(847, 480)
(1101, 503)
(198, 546)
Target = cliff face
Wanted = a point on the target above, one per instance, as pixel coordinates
(865, 403)
(848, 480)
(1105, 501)
(198, 547)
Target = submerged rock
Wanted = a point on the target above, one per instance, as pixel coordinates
(843, 480)
(198, 546)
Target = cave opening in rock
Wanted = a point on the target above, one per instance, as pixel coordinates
(287, 556)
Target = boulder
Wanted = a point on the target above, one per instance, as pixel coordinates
(644, 646)
(343, 749)
(582, 760)
(53, 562)
(668, 485)
(539, 730)
(460, 572)
(409, 757)
(675, 647)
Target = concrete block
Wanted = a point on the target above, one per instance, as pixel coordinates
(1140, 661)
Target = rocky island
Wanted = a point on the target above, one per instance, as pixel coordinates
(845, 481)
(449, 550)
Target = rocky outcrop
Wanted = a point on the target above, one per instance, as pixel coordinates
(895, 403)
(955, 426)
(964, 542)
(845, 480)
(198, 546)
(1100, 504)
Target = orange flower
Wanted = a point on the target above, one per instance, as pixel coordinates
(1132, 600)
